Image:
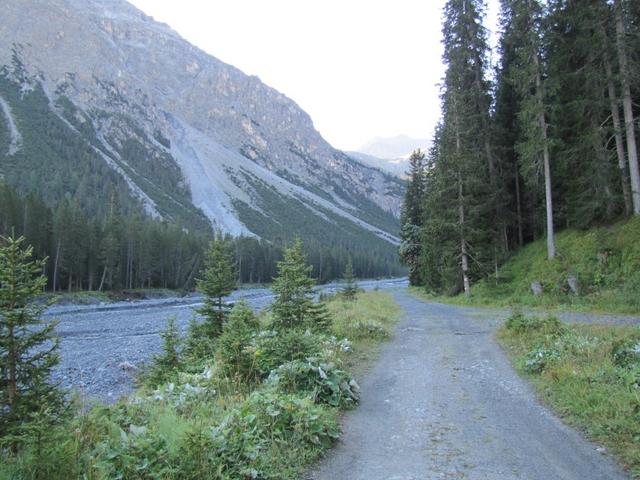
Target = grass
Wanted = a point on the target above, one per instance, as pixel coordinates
(604, 260)
(366, 322)
(589, 374)
(204, 423)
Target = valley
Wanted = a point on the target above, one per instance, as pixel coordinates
(105, 347)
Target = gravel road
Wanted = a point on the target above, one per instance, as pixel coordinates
(97, 341)
(444, 402)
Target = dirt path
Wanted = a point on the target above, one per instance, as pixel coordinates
(444, 402)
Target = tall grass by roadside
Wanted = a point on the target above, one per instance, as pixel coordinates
(263, 407)
(366, 322)
(589, 374)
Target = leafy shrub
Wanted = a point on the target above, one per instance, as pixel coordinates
(188, 389)
(324, 381)
(241, 445)
(627, 353)
(538, 359)
(272, 349)
(278, 416)
(520, 324)
(576, 343)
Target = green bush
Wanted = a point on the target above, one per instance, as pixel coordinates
(521, 324)
(538, 359)
(626, 353)
(166, 365)
(235, 355)
(199, 346)
(323, 380)
(272, 349)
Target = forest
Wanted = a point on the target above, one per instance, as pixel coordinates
(543, 141)
(132, 251)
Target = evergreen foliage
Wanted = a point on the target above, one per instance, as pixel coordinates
(170, 360)
(547, 147)
(293, 290)
(28, 347)
(129, 251)
(412, 216)
(218, 280)
(350, 289)
(234, 344)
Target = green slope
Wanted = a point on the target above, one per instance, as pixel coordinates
(604, 260)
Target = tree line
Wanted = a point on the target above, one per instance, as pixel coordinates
(547, 140)
(126, 250)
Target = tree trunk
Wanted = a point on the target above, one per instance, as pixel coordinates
(628, 110)
(464, 260)
(617, 129)
(12, 368)
(104, 275)
(551, 244)
(55, 267)
(518, 206)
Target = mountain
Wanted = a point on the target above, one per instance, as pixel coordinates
(100, 103)
(394, 148)
(397, 166)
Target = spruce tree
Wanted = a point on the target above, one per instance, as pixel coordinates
(461, 196)
(621, 20)
(412, 217)
(529, 78)
(217, 281)
(350, 289)
(293, 305)
(28, 347)
(166, 364)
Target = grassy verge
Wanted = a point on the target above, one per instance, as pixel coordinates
(366, 322)
(589, 374)
(603, 263)
(262, 405)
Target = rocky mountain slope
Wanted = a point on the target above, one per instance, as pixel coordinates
(96, 98)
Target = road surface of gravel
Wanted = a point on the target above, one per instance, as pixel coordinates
(443, 402)
(99, 343)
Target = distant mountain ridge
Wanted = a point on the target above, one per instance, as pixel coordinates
(390, 154)
(393, 148)
(183, 135)
(397, 167)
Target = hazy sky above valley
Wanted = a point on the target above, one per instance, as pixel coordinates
(360, 68)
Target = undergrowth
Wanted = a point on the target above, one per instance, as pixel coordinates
(264, 406)
(604, 261)
(590, 374)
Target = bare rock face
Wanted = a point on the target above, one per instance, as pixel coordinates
(236, 141)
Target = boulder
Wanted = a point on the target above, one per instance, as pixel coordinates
(573, 284)
(536, 288)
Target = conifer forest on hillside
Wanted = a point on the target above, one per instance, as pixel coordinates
(546, 141)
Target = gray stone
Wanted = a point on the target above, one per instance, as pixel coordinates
(572, 281)
(536, 288)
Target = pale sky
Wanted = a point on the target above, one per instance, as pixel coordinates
(359, 68)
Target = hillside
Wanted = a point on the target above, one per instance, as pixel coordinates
(99, 100)
(605, 262)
